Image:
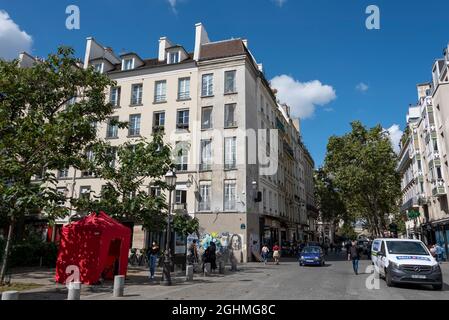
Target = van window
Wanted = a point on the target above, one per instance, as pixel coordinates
(376, 246)
(407, 247)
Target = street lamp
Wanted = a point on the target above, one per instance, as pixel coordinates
(170, 180)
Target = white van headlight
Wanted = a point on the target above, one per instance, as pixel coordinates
(436, 267)
(394, 265)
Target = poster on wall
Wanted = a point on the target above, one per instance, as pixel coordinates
(180, 244)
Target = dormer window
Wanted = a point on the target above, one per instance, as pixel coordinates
(99, 67)
(128, 64)
(173, 57)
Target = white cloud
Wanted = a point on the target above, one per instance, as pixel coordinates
(279, 3)
(302, 97)
(395, 136)
(362, 87)
(12, 39)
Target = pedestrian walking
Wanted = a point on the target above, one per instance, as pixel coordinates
(213, 256)
(265, 252)
(439, 252)
(354, 255)
(276, 253)
(153, 255)
(193, 253)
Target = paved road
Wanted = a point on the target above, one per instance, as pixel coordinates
(286, 281)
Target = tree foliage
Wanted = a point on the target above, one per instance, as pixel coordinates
(127, 170)
(363, 165)
(42, 128)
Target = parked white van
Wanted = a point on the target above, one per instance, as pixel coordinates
(405, 261)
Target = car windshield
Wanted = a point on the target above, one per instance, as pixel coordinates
(311, 250)
(406, 247)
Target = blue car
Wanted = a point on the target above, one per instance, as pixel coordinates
(312, 256)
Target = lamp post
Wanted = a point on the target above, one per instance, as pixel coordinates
(170, 180)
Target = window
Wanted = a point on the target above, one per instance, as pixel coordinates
(206, 154)
(89, 158)
(136, 94)
(159, 121)
(435, 144)
(85, 192)
(112, 129)
(230, 153)
(230, 115)
(264, 198)
(62, 191)
(173, 57)
(439, 174)
(180, 196)
(261, 104)
(160, 91)
(112, 155)
(206, 118)
(183, 119)
(229, 195)
(184, 89)
(63, 173)
(98, 67)
(181, 156)
(128, 64)
(205, 195)
(115, 96)
(155, 191)
(207, 86)
(230, 82)
(134, 125)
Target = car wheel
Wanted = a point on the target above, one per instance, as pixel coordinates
(301, 264)
(437, 286)
(388, 279)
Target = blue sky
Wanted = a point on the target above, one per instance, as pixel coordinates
(369, 75)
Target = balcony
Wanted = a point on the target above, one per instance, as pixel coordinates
(438, 188)
(160, 98)
(180, 208)
(410, 204)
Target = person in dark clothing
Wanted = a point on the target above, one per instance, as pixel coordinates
(213, 256)
(153, 255)
(354, 255)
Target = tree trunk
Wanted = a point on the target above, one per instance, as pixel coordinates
(6, 252)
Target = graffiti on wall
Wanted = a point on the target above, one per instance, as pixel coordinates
(227, 245)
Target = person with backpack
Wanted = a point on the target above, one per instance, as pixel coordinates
(354, 255)
(265, 252)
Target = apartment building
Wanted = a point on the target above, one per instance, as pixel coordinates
(241, 166)
(423, 160)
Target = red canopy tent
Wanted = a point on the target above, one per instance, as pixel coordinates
(98, 245)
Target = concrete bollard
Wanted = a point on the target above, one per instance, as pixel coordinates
(207, 269)
(119, 286)
(221, 267)
(10, 295)
(189, 273)
(74, 291)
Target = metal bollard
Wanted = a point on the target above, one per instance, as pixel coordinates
(119, 286)
(74, 291)
(207, 269)
(10, 295)
(189, 273)
(221, 267)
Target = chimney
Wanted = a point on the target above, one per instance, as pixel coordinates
(201, 38)
(164, 43)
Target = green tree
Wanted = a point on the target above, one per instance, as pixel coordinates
(42, 129)
(128, 170)
(363, 165)
(329, 199)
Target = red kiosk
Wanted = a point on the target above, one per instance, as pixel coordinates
(98, 245)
